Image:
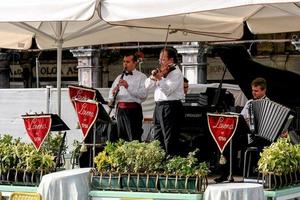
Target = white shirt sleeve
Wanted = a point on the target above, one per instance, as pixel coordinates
(138, 90)
(169, 85)
(149, 83)
(245, 111)
(110, 94)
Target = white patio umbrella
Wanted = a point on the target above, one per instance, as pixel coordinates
(206, 16)
(70, 23)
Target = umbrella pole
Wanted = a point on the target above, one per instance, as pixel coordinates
(59, 60)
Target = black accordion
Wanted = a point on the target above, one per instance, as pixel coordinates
(269, 119)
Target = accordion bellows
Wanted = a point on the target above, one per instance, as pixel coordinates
(270, 118)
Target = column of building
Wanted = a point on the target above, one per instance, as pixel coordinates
(4, 70)
(194, 61)
(90, 73)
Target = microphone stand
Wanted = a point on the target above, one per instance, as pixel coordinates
(218, 92)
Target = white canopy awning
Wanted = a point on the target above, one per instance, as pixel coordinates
(206, 16)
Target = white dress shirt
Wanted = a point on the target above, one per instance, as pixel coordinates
(169, 88)
(245, 111)
(136, 91)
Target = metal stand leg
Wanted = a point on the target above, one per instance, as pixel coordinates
(245, 163)
(230, 178)
(94, 145)
(249, 164)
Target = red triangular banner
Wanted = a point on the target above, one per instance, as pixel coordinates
(78, 92)
(37, 128)
(222, 128)
(87, 112)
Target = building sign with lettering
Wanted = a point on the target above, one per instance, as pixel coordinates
(48, 70)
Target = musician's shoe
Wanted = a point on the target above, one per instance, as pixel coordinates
(221, 179)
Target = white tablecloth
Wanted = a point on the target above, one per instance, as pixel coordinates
(234, 191)
(71, 184)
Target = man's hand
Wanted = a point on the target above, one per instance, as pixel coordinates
(123, 83)
(116, 89)
(157, 76)
(111, 104)
(284, 134)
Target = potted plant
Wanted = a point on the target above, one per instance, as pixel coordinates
(53, 144)
(184, 174)
(136, 161)
(108, 163)
(20, 152)
(7, 158)
(144, 161)
(278, 162)
(38, 163)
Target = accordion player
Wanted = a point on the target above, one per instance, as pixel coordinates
(268, 119)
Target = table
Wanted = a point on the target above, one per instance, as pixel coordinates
(71, 184)
(234, 191)
(97, 195)
(283, 194)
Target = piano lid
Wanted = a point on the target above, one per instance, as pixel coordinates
(282, 86)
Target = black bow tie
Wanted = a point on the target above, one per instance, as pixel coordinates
(128, 73)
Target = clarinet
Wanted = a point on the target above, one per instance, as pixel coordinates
(115, 95)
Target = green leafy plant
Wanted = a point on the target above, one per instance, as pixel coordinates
(186, 166)
(39, 161)
(130, 157)
(279, 158)
(20, 156)
(53, 142)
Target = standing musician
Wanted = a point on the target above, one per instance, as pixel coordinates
(128, 91)
(168, 112)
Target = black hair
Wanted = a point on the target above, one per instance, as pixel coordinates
(131, 53)
(172, 53)
(185, 80)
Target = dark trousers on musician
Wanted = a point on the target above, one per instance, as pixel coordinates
(129, 121)
(168, 116)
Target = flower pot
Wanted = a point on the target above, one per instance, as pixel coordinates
(182, 184)
(17, 177)
(4, 177)
(140, 182)
(32, 178)
(271, 181)
(11, 174)
(106, 181)
(297, 175)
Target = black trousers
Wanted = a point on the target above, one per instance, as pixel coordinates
(168, 116)
(129, 123)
